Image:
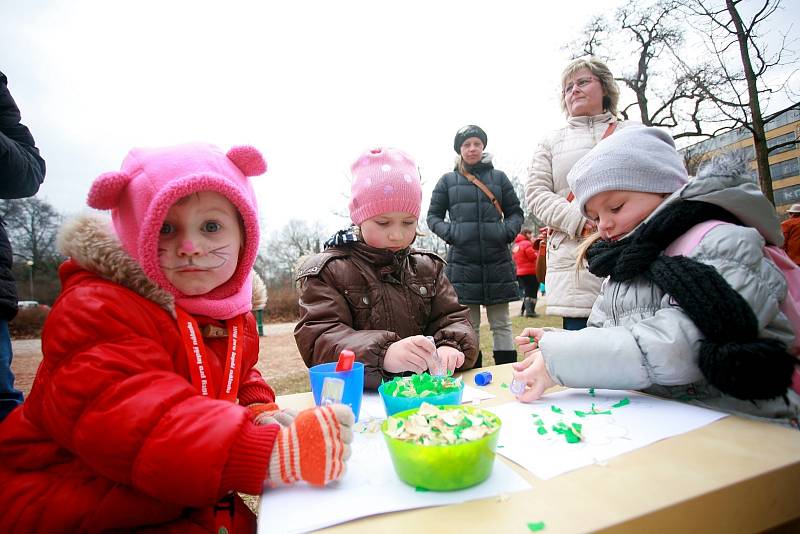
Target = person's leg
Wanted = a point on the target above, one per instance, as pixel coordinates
(502, 337)
(574, 323)
(10, 397)
(530, 285)
(475, 320)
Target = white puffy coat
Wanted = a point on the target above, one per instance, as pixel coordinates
(546, 191)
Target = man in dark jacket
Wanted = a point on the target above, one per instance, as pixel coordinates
(21, 172)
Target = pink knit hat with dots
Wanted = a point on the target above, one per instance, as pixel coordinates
(151, 180)
(384, 180)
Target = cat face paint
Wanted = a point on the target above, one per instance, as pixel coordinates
(200, 241)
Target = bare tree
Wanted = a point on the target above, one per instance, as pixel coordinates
(737, 44)
(285, 248)
(32, 225)
(643, 45)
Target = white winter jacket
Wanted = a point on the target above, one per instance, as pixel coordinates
(638, 338)
(569, 294)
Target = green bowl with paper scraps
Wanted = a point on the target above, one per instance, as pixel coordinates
(442, 448)
(407, 392)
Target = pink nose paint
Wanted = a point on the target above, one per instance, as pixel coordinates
(187, 246)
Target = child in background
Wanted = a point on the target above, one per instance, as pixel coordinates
(704, 326)
(525, 255)
(370, 292)
(132, 421)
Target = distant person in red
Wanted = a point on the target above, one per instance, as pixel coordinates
(791, 233)
(525, 255)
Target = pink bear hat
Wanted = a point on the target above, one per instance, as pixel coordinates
(151, 180)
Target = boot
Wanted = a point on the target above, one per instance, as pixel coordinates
(505, 356)
(522, 308)
(529, 305)
(479, 361)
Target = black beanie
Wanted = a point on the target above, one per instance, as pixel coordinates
(465, 133)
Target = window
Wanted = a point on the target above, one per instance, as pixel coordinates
(784, 169)
(785, 138)
(787, 195)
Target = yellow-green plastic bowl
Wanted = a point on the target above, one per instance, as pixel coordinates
(396, 405)
(444, 467)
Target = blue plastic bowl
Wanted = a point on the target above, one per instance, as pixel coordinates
(400, 404)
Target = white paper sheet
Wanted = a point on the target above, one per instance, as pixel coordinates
(643, 421)
(372, 405)
(370, 486)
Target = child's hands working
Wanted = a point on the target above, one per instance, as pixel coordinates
(533, 372)
(413, 353)
(314, 448)
(452, 358)
(528, 340)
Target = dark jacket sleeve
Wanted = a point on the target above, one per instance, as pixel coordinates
(22, 169)
(449, 322)
(438, 208)
(512, 212)
(326, 328)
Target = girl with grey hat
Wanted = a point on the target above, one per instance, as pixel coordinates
(702, 322)
(484, 219)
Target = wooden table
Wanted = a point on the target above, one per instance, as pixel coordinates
(734, 475)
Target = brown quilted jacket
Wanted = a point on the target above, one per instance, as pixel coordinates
(364, 299)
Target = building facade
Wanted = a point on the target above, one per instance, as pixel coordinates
(784, 162)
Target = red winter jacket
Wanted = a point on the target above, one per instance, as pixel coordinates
(113, 434)
(524, 255)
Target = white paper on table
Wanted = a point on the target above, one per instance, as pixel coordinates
(642, 422)
(370, 486)
(372, 406)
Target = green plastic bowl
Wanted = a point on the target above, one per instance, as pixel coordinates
(444, 467)
(396, 405)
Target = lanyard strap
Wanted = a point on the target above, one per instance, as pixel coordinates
(196, 355)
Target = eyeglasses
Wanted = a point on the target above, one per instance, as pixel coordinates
(580, 83)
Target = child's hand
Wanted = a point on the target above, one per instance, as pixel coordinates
(533, 372)
(409, 354)
(314, 448)
(274, 416)
(528, 340)
(451, 358)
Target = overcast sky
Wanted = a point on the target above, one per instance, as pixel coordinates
(311, 84)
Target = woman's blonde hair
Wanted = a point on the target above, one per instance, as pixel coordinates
(599, 69)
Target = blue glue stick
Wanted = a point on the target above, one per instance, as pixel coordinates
(483, 378)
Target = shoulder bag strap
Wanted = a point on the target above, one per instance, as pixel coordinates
(482, 186)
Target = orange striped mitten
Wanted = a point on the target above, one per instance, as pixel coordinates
(314, 448)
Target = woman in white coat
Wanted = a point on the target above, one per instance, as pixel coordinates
(589, 97)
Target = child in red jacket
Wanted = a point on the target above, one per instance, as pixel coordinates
(525, 254)
(133, 419)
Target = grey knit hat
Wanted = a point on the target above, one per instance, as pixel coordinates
(634, 158)
(470, 130)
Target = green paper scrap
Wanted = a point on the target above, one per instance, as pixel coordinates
(541, 430)
(571, 435)
(504, 385)
(536, 527)
(556, 409)
(591, 392)
(596, 411)
(623, 402)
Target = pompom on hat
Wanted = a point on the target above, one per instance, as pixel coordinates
(465, 133)
(151, 180)
(384, 180)
(634, 158)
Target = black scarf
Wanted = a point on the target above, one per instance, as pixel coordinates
(732, 356)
